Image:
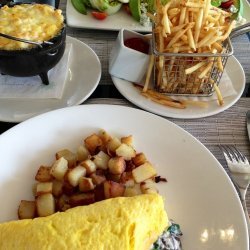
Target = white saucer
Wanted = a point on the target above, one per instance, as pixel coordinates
(235, 72)
(83, 77)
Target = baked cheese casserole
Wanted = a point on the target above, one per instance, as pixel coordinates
(35, 22)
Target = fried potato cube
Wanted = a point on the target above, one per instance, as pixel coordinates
(43, 188)
(89, 165)
(143, 172)
(81, 199)
(59, 168)
(125, 151)
(148, 187)
(75, 174)
(68, 189)
(97, 179)
(43, 174)
(45, 205)
(129, 183)
(101, 160)
(114, 177)
(112, 145)
(105, 137)
(113, 189)
(57, 188)
(132, 191)
(127, 179)
(67, 155)
(27, 210)
(82, 153)
(127, 140)
(62, 203)
(139, 159)
(129, 166)
(116, 165)
(86, 184)
(93, 143)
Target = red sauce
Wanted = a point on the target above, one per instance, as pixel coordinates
(137, 44)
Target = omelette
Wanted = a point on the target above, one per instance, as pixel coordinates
(123, 223)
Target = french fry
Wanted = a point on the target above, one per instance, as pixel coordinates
(149, 71)
(174, 104)
(173, 12)
(165, 24)
(206, 70)
(179, 34)
(219, 95)
(182, 15)
(206, 9)
(194, 5)
(177, 28)
(219, 64)
(230, 28)
(194, 68)
(205, 40)
(217, 46)
(198, 25)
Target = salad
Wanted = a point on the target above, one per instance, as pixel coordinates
(138, 9)
(101, 9)
(232, 6)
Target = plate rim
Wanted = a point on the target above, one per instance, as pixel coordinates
(80, 100)
(117, 83)
(149, 115)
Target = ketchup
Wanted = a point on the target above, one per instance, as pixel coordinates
(137, 44)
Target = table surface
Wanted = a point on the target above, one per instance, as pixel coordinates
(228, 127)
(101, 41)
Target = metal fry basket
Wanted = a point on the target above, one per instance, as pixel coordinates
(173, 72)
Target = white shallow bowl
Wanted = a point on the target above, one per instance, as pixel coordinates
(198, 195)
(84, 74)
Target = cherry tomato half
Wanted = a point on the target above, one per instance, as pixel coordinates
(99, 15)
(226, 5)
(126, 8)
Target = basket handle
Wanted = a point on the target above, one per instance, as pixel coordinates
(242, 29)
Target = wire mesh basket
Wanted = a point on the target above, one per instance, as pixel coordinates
(174, 72)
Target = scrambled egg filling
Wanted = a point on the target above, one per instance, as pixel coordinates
(35, 22)
(124, 223)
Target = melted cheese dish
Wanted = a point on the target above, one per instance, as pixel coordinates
(124, 223)
(35, 22)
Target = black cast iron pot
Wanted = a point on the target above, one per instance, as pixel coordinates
(34, 61)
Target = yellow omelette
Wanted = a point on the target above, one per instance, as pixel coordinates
(124, 223)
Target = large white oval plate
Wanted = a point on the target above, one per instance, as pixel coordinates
(84, 74)
(235, 72)
(199, 194)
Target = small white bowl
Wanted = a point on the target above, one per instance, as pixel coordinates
(127, 63)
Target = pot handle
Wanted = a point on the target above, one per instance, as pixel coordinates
(52, 53)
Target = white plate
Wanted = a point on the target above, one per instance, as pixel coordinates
(246, 10)
(118, 21)
(235, 72)
(83, 77)
(199, 194)
(114, 22)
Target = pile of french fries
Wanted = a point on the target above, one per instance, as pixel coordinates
(190, 44)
